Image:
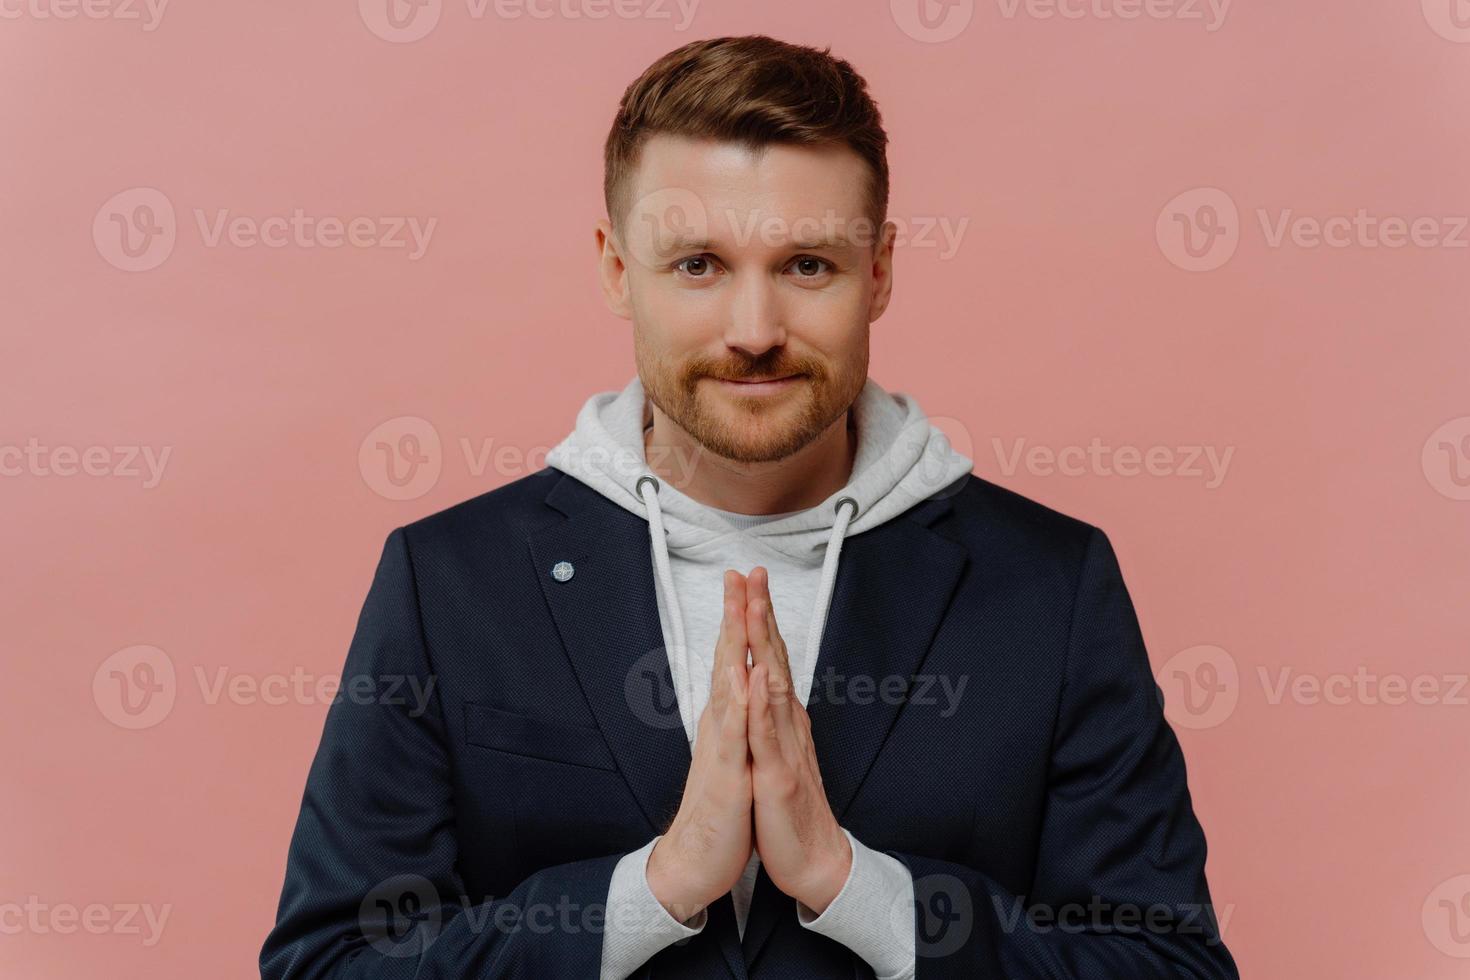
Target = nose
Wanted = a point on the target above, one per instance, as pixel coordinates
(756, 321)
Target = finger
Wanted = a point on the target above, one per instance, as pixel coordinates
(779, 694)
(757, 624)
(731, 645)
(765, 749)
(733, 726)
(778, 642)
(760, 588)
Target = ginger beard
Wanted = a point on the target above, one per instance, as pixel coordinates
(750, 428)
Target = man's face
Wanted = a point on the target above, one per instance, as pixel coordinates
(739, 267)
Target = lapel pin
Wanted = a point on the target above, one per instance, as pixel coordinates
(561, 571)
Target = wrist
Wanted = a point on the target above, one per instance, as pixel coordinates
(670, 884)
(829, 875)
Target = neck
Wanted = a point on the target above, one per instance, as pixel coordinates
(801, 480)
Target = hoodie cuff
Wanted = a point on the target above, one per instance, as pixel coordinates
(865, 917)
(637, 926)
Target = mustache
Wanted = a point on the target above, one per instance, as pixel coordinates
(751, 369)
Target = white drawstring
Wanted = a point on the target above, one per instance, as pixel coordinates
(666, 576)
(824, 589)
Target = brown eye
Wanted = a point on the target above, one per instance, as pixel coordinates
(695, 265)
(810, 267)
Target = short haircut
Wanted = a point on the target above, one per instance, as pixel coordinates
(753, 90)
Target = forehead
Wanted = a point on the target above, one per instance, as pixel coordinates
(731, 183)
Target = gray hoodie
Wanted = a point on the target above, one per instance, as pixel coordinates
(901, 459)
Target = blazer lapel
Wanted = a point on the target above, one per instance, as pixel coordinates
(894, 583)
(607, 616)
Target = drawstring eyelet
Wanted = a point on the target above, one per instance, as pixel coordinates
(638, 487)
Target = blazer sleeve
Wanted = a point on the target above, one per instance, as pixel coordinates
(1119, 888)
(371, 889)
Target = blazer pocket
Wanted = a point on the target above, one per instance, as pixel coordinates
(536, 738)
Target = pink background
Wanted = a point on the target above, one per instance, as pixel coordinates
(1337, 542)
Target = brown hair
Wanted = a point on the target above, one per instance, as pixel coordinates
(753, 90)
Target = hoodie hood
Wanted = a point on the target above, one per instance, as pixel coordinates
(901, 459)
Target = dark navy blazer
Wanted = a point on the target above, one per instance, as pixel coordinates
(1043, 813)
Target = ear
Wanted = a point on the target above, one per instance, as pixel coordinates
(882, 271)
(611, 271)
